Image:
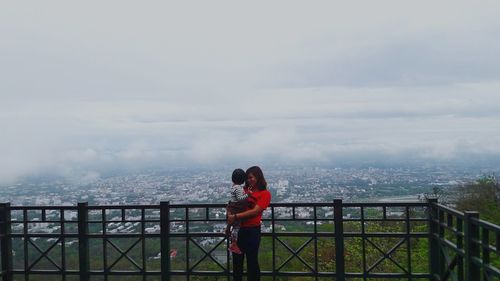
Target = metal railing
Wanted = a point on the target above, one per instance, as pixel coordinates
(462, 245)
(323, 241)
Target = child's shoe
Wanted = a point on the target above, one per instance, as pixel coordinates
(234, 248)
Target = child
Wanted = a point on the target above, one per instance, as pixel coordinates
(237, 204)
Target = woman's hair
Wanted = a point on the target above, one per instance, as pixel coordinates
(257, 173)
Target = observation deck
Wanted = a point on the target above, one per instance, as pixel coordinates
(300, 241)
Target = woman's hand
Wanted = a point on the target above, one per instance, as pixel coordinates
(231, 218)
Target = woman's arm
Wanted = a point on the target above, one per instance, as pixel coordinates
(244, 215)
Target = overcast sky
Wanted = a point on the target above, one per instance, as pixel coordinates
(98, 84)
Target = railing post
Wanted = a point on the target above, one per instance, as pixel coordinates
(339, 240)
(471, 235)
(434, 246)
(83, 240)
(6, 242)
(165, 240)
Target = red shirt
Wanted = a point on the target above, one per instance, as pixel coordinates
(262, 199)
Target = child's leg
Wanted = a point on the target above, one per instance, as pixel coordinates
(234, 232)
(233, 247)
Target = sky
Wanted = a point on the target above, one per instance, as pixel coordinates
(97, 85)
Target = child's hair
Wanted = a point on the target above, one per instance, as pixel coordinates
(239, 176)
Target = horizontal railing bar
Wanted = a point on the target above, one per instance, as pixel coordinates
(349, 219)
(90, 208)
(123, 235)
(292, 219)
(308, 274)
(123, 272)
(387, 204)
(488, 247)
(299, 274)
(224, 273)
(121, 221)
(223, 205)
(217, 234)
(388, 219)
(450, 245)
(485, 224)
(387, 234)
(487, 267)
(55, 208)
(44, 235)
(198, 206)
(309, 234)
(301, 204)
(46, 272)
(91, 272)
(450, 210)
(198, 220)
(223, 219)
(220, 220)
(388, 275)
(480, 243)
(398, 234)
(197, 234)
(90, 235)
(476, 241)
(125, 207)
(299, 234)
(452, 229)
(14, 221)
(345, 220)
(263, 273)
(76, 222)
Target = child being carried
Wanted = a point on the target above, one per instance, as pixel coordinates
(240, 202)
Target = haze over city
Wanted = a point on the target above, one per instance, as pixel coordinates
(115, 85)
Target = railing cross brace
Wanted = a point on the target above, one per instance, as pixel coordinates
(124, 254)
(44, 254)
(207, 254)
(387, 255)
(295, 254)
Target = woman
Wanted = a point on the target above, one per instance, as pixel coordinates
(249, 233)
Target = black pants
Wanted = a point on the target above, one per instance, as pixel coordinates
(248, 242)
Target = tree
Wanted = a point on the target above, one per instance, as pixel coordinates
(483, 196)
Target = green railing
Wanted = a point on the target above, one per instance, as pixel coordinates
(300, 241)
(463, 247)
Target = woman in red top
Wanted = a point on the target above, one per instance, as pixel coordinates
(249, 233)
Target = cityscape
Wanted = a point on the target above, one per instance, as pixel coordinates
(288, 185)
(311, 184)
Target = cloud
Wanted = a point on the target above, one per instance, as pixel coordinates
(419, 63)
(161, 84)
(295, 126)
